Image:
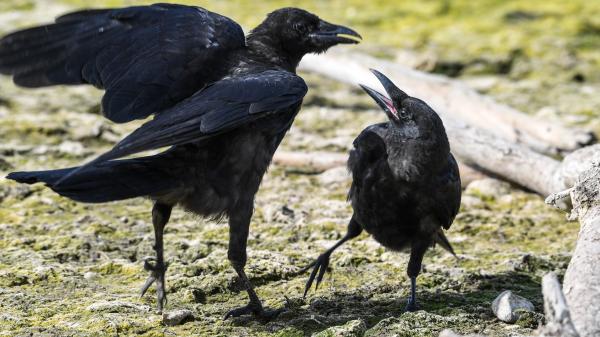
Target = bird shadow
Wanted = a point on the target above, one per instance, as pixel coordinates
(472, 296)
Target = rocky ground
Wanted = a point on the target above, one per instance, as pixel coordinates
(69, 269)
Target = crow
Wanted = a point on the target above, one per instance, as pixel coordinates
(405, 183)
(222, 102)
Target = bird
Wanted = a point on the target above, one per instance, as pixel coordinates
(405, 183)
(221, 103)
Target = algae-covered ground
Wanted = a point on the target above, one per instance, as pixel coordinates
(69, 269)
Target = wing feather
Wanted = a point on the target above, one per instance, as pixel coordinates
(221, 107)
(147, 58)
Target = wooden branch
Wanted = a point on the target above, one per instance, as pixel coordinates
(452, 100)
(480, 153)
(310, 162)
(509, 161)
(558, 317)
(317, 162)
(582, 279)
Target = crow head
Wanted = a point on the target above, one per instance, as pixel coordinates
(410, 117)
(297, 32)
(415, 137)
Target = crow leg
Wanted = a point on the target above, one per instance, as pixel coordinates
(322, 262)
(417, 252)
(160, 217)
(239, 225)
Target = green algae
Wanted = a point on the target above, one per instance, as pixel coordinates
(60, 259)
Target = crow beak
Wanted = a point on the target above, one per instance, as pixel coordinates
(333, 34)
(384, 102)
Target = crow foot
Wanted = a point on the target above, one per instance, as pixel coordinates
(411, 305)
(257, 310)
(320, 267)
(157, 274)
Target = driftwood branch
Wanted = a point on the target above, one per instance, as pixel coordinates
(317, 162)
(582, 279)
(453, 101)
(558, 317)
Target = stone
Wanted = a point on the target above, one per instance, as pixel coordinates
(177, 317)
(71, 148)
(354, 328)
(90, 275)
(508, 306)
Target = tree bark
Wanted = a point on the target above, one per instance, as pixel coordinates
(317, 162)
(558, 317)
(582, 279)
(452, 100)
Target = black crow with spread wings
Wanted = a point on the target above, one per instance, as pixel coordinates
(221, 101)
(405, 182)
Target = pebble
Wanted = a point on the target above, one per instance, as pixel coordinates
(176, 317)
(72, 148)
(90, 275)
(507, 306)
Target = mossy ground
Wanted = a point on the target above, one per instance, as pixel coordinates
(75, 269)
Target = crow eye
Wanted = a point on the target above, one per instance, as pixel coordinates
(403, 113)
(300, 28)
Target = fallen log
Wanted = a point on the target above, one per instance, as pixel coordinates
(453, 100)
(317, 162)
(582, 279)
(479, 153)
(558, 316)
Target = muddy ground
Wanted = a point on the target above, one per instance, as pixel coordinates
(70, 269)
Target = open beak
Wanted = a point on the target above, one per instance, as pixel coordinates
(334, 34)
(383, 101)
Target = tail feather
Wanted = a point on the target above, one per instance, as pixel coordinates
(441, 239)
(109, 181)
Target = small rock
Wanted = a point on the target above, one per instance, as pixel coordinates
(488, 187)
(355, 328)
(72, 148)
(90, 275)
(472, 202)
(177, 317)
(508, 306)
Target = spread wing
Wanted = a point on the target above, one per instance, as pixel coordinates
(147, 58)
(223, 106)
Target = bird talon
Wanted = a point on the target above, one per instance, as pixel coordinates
(411, 306)
(157, 275)
(320, 267)
(148, 265)
(255, 309)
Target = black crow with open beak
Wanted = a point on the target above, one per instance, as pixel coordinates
(405, 182)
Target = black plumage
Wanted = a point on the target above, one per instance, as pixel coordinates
(222, 102)
(405, 182)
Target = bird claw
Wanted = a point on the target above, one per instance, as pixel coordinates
(157, 274)
(256, 310)
(320, 266)
(411, 306)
